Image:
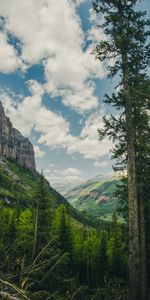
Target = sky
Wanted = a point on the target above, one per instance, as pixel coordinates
(52, 87)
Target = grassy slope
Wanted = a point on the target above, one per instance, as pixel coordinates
(18, 184)
(96, 198)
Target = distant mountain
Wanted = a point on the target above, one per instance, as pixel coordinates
(101, 177)
(65, 187)
(96, 198)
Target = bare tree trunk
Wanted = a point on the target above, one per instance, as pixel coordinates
(134, 246)
(21, 271)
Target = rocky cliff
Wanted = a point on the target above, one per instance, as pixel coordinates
(13, 145)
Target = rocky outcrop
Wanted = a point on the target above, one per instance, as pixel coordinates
(13, 145)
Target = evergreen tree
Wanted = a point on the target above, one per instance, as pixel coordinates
(24, 239)
(62, 227)
(103, 265)
(43, 218)
(116, 251)
(125, 27)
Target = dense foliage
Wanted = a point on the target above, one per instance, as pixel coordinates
(47, 254)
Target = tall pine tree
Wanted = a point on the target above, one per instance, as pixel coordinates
(126, 42)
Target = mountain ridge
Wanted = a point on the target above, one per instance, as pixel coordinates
(95, 198)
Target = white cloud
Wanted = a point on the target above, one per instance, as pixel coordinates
(102, 164)
(64, 176)
(81, 100)
(52, 34)
(35, 87)
(9, 61)
(47, 171)
(65, 172)
(53, 179)
(71, 172)
(96, 34)
(38, 152)
(87, 143)
(30, 114)
(78, 2)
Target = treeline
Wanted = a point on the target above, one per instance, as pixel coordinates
(44, 254)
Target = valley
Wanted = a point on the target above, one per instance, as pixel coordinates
(96, 199)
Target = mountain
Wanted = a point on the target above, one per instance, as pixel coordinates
(17, 185)
(64, 187)
(18, 175)
(13, 145)
(95, 198)
(101, 177)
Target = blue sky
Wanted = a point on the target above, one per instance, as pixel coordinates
(52, 87)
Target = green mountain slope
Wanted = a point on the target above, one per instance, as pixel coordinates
(17, 185)
(96, 198)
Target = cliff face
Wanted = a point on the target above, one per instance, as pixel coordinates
(13, 145)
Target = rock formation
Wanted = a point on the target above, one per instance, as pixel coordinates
(13, 145)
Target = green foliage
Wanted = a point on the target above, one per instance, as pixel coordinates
(44, 207)
(19, 186)
(45, 251)
(24, 238)
(116, 251)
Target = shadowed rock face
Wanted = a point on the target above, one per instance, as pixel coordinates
(13, 145)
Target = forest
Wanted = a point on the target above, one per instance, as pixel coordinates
(46, 254)
(49, 250)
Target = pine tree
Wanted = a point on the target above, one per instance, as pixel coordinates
(24, 240)
(125, 27)
(43, 216)
(103, 258)
(64, 230)
(116, 251)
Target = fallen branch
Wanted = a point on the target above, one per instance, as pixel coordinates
(19, 291)
(6, 296)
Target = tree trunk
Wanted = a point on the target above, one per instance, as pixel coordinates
(143, 275)
(35, 231)
(134, 246)
(88, 268)
(21, 271)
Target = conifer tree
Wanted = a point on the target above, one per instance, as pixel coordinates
(103, 257)
(62, 227)
(116, 250)
(126, 43)
(24, 239)
(43, 214)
